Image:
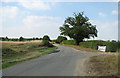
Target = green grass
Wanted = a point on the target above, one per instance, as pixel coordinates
(16, 53)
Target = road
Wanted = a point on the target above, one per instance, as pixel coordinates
(65, 61)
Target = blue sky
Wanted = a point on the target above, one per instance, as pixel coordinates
(36, 19)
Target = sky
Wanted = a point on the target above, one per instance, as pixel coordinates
(36, 19)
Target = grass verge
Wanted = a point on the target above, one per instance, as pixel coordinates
(102, 65)
(81, 48)
(16, 53)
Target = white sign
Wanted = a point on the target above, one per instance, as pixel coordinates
(102, 48)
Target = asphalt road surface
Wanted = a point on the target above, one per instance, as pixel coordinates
(65, 61)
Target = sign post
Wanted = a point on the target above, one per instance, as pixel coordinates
(102, 48)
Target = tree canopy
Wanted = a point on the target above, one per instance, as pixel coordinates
(78, 27)
(46, 37)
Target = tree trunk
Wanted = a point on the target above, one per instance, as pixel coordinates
(78, 41)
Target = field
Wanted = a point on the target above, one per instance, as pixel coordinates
(16, 52)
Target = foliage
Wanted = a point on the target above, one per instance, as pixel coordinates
(16, 39)
(78, 28)
(60, 39)
(46, 37)
(21, 39)
(69, 42)
(110, 46)
(46, 43)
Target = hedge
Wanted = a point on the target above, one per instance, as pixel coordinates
(68, 42)
(110, 46)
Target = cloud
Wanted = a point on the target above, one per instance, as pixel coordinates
(114, 12)
(35, 26)
(9, 12)
(38, 21)
(35, 5)
(106, 30)
(101, 14)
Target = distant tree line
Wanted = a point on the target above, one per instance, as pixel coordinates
(19, 39)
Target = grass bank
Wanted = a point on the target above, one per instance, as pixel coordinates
(83, 49)
(14, 53)
(102, 65)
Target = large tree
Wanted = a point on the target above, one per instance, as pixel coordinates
(78, 28)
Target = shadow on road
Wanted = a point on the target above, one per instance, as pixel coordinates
(56, 51)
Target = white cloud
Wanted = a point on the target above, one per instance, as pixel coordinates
(38, 21)
(35, 5)
(106, 30)
(9, 11)
(114, 12)
(101, 14)
(35, 26)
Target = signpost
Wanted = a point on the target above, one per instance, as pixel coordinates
(102, 48)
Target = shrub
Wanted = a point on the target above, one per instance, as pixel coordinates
(46, 37)
(60, 39)
(110, 46)
(69, 42)
(7, 51)
(46, 43)
(21, 39)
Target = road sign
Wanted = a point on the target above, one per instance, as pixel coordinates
(102, 48)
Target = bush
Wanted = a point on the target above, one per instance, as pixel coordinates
(46, 37)
(46, 43)
(60, 39)
(69, 42)
(21, 39)
(7, 51)
(110, 46)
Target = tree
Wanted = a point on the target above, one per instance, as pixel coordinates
(6, 38)
(37, 38)
(33, 38)
(60, 39)
(46, 37)
(21, 39)
(78, 28)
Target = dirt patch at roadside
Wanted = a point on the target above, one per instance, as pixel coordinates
(102, 65)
